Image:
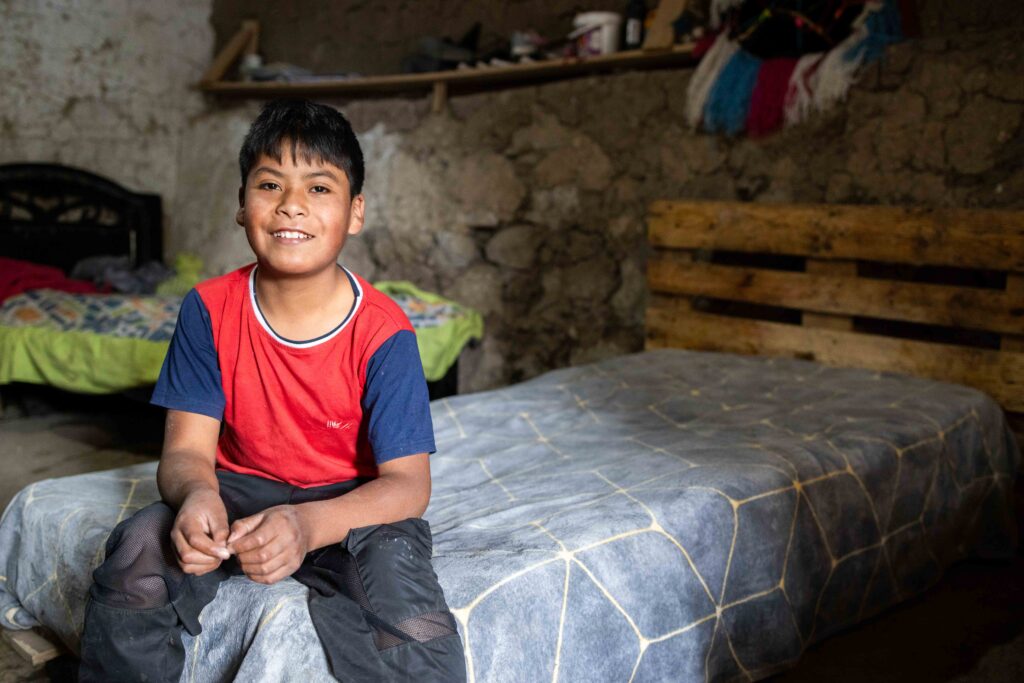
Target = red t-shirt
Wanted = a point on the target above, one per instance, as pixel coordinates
(307, 413)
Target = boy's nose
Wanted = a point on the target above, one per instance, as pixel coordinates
(292, 203)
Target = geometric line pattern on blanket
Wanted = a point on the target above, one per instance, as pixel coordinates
(996, 479)
(638, 515)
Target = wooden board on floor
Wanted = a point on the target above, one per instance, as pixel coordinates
(32, 646)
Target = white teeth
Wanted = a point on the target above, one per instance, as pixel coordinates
(292, 235)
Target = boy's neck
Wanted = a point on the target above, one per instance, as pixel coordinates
(304, 307)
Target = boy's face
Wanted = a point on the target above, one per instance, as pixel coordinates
(297, 213)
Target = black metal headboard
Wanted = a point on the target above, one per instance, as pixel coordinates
(58, 215)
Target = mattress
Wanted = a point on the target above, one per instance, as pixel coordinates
(668, 515)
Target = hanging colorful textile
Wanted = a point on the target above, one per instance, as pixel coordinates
(775, 62)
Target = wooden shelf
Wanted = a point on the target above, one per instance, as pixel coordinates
(441, 83)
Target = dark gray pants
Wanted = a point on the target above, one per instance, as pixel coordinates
(374, 598)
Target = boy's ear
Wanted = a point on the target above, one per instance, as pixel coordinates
(240, 214)
(356, 214)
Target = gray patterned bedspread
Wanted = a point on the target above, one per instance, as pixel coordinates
(668, 515)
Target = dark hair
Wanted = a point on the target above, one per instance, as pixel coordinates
(315, 131)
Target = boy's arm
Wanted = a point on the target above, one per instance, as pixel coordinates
(270, 545)
(187, 482)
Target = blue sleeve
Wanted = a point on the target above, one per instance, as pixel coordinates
(396, 406)
(190, 377)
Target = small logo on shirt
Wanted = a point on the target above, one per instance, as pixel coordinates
(338, 424)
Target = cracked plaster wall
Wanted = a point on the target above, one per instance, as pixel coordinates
(103, 85)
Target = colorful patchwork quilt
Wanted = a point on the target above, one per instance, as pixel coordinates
(663, 516)
(103, 343)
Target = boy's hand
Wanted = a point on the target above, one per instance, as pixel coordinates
(200, 532)
(270, 545)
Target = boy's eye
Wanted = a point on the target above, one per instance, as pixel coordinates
(319, 189)
(267, 185)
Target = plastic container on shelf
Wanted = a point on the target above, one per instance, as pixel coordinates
(596, 33)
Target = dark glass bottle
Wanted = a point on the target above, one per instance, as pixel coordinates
(636, 12)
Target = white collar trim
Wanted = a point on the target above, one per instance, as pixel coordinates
(358, 291)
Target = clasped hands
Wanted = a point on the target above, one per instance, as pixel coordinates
(269, 545)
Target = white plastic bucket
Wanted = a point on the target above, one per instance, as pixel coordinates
(596, 33)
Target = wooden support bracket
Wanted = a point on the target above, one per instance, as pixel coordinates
(245, 42)
(660, 34)
(439, 97)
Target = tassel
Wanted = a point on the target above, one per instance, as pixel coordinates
(799, 100)
(729, 101)
(704, 78)
(769, 96)
(877, 27)
(838, 70)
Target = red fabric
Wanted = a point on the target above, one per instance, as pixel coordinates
(769, 96)
(703, 45)
(18, 276)
(275, 393)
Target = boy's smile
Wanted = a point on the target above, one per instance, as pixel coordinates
(297, 213)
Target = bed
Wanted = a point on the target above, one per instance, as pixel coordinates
(109, 343)
(703, 510)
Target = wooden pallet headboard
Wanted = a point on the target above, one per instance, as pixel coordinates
(859, 286)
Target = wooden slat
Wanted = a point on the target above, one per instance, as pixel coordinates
(998, 373)
(982, 309)
(829, 321)
(1015, 289)
(32, 646)
(952, 237)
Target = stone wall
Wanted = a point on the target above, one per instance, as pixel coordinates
(102, 85)
(528, 203)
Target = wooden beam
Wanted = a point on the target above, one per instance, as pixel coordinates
(998, 373)
(673, 272)
(973, 238)
(1015, 289)
(245, 39)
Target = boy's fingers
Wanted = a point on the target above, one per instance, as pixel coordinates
(207, 545)
(272, 571)
(220, 536)
(239, 538)
(194, 558)
(198, 569)
(261, 555)
(266, 569)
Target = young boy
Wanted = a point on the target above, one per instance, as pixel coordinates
(297, 440)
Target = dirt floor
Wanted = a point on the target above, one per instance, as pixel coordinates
(970, 627)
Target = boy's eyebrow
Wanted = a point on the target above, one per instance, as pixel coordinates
(313, 174)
